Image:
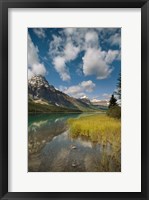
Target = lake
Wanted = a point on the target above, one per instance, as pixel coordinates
(52, 149)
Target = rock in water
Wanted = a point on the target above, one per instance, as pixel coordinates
(74, 164)
(73, 147)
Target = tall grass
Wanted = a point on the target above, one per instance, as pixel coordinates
(103, 130)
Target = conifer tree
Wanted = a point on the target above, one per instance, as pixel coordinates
(112, 101)
(119, 87)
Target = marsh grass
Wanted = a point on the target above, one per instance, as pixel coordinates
(103, 130)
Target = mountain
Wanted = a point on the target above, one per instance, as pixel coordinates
(39, 88)
(100, 102)
(85, 99)
(43, 97)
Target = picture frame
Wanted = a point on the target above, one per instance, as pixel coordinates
(4, 108)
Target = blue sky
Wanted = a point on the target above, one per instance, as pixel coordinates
(78, 61)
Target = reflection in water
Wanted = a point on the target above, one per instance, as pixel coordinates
(42, 129)
(51, 149)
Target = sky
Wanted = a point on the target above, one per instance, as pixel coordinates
(78, 61)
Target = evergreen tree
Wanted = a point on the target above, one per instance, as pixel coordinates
(115, 104)
(118, 92)
(112, 101)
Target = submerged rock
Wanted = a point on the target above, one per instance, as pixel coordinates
(43, 141)
(74, 164)
(73, 147)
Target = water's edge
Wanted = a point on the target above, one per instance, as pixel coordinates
(52, 149)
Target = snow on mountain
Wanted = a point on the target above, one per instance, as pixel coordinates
(40, 89)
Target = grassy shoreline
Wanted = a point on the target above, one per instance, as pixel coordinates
(99, 128)
(103, 130)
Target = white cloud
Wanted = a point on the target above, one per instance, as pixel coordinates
(55, 45)
(34, 65)
(66, 48)
(94, 100)
(80, 89)
(38, 69)
(30, 74)
(69, 31)
(94, 64)
(115, 39)
(32, 52)
(71, 41)
(40, 32)
(91, 39)
(59, 64)
(106, 96)
(112, 55)
(70, 52)
(87, 85)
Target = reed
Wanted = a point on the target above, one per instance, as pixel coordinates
(100, 129)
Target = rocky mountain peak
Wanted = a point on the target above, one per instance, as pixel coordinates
(39, 81)
(40, 90)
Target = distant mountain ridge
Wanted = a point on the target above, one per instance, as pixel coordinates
(41, 92)
(100, 102)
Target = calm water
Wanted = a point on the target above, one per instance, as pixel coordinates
(51, 148)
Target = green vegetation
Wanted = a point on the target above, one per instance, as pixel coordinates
(118, 92)
(114, 107)
(101, 129)
(34, 107)
(104, 130)
(43, 108)
(112, 101)
(114, 111)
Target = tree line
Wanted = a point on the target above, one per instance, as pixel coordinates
(115, 102)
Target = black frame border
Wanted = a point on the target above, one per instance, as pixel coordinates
(4, 6)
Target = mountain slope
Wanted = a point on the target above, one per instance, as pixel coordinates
(44, 97)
